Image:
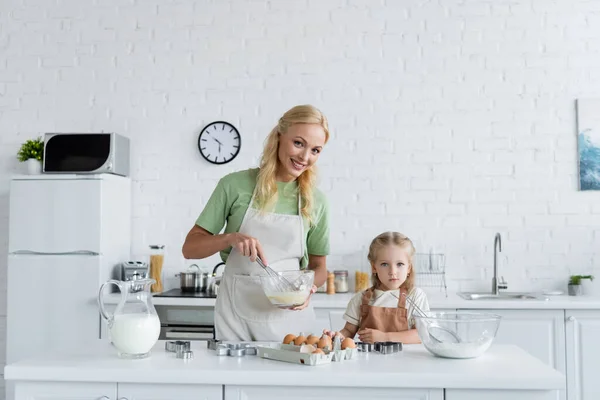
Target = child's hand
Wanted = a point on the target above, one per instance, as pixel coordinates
(333, 334)
(369, 335)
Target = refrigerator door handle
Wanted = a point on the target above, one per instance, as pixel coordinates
(64, 253)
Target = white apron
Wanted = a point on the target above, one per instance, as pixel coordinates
(242, 311)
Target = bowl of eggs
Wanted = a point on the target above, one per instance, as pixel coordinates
(287, 296)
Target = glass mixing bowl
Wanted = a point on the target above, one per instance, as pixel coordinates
(457, 334)
(273, 287)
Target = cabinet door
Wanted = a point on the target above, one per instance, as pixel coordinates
(336, 319)
(322, 321)
(51, 303)
(583, 354)
(61, 391)
(328, 393)
(479, 394)
(539, 332)
(139, 391)
(55, 216)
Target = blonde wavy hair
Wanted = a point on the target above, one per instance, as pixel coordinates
(397, 239)
(266, 185)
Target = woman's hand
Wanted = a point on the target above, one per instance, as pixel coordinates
(303, 306)
(369, 335)
(247, 246)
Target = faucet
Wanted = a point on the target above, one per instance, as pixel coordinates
(497, 285)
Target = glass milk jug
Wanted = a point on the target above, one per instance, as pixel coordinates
(134, 325)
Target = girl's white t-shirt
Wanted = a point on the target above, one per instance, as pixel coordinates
(387, 298)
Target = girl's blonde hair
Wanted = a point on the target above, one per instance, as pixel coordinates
(266, 185)
(397, 239)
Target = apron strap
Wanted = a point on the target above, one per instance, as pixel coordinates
(402, 297)
(364, 308)
(366, 296)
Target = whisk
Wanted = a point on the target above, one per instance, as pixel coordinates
(279, 281)
(436, 332)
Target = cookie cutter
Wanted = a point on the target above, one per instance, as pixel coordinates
(212, 344)
(365, 347)
(387, 347)
(170, 346)
(236, 349)
(186, 355)
(174, 346)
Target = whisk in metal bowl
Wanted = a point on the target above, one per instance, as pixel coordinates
(438, 333)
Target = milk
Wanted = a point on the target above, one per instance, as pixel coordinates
(135, 333)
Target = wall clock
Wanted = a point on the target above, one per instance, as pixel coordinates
(219, 142)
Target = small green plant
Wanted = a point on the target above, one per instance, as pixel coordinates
(576, 279)
(32, 148)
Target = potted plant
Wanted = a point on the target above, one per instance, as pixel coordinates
(32, 152)
(587, 287)
(576, 283)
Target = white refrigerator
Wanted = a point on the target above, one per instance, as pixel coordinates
(67, 235)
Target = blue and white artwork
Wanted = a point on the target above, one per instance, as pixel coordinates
(588, 132)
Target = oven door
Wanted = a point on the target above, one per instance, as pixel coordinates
(187, 332)
(185, 322)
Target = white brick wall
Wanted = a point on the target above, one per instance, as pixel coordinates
(451, 120)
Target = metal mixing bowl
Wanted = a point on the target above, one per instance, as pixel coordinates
(457, 334)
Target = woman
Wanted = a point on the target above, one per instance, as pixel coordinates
(276, 213)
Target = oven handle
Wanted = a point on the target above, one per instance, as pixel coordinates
(188, 335)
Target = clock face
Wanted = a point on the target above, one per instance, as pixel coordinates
(219, 142)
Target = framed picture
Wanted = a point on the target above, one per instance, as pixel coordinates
(588, 143)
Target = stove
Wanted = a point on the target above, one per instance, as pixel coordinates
(179, 293)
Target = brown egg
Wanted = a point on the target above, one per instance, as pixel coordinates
(318, 351)
(312, 339)
(300, 340)
(348, 343)
(289, 338)
(307, 348)
(324, 342)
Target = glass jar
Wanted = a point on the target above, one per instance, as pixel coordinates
(157, 258)
(362, 280)
(341, 281)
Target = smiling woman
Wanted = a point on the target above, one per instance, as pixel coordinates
(276, 213)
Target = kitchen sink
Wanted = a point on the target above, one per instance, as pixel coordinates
(500, 296)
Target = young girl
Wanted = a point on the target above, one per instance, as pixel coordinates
(381, 313)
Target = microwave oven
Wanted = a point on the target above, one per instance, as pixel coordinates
(86, 153)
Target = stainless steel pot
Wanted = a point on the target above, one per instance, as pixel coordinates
(193, 281)
(214, 281)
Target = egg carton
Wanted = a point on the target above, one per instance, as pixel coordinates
(302, 355)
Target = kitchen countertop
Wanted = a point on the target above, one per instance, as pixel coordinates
(501, 367)
(436, 301)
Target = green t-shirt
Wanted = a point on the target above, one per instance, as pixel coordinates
(229, 202)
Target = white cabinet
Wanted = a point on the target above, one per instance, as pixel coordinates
(539, 332)
(63, 215)
(583, 354)
(328, 393)
(49, 304)
(138, 391)
(336, 319)
(114, 391)
(461, 394)
(322, 321)
(62, 391)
